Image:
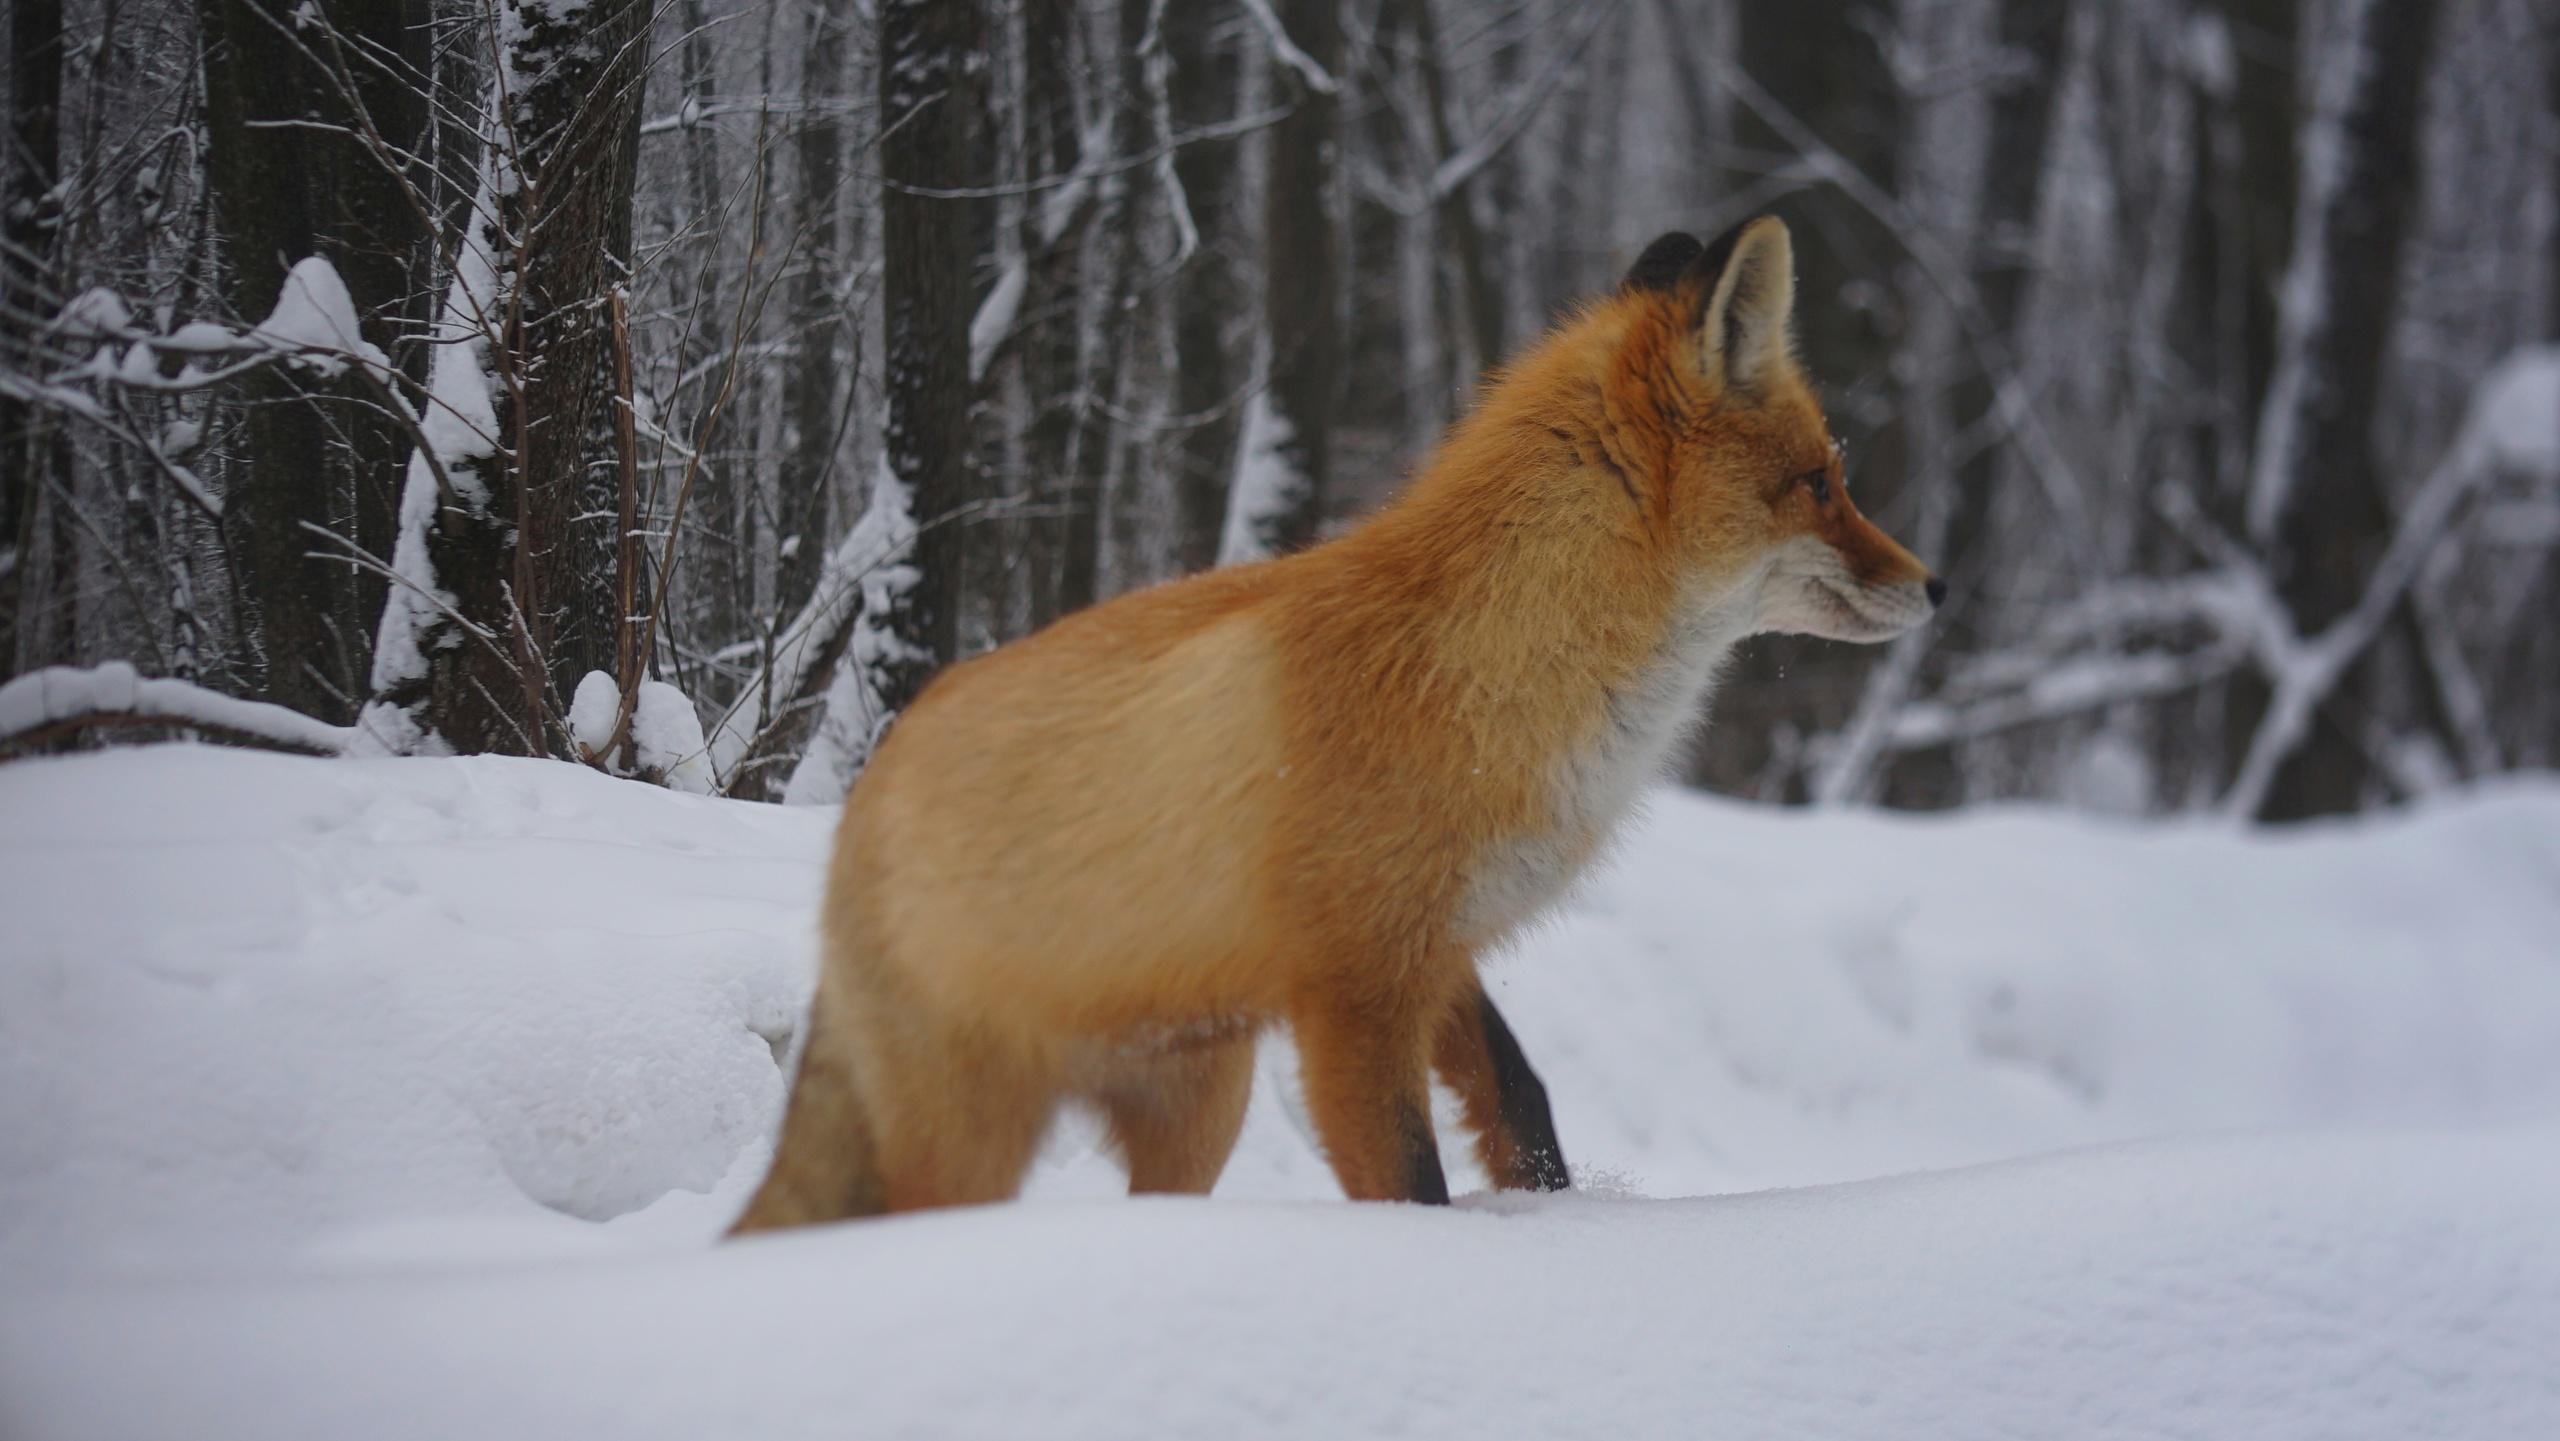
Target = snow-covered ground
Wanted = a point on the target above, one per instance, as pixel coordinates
(401, 1098)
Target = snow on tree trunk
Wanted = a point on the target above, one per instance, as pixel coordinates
(429, 658)
(1268, 486)
(876, 571)
(507, 562)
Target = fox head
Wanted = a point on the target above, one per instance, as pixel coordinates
(1725, 447)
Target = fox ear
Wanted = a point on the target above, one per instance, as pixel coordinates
(1746, 317)
(1664, 265)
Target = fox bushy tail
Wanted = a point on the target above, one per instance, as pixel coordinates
(825, 1167)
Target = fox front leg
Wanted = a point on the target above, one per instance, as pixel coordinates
(1368, 1088)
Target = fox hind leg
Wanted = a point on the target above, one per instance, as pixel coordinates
(1504, 1101)
(956, 1115)
(1175, 1117)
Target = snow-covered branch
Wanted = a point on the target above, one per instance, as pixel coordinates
(54, 702)
(2506, 427)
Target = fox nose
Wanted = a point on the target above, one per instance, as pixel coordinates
(1937, 592)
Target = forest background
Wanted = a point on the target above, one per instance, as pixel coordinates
(675, 386)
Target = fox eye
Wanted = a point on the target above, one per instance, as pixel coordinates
(1819, 482)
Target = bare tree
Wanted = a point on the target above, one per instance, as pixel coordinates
(34, 564)
(933, 143)
(2317, 494)
(310, 128)
(1211, 293)
(1302, 285)
(506, 569)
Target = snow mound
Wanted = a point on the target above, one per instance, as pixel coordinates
(2382, 1286)
(247, 1005)
(302, 1063)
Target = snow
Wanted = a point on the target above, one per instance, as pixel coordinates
(459, 424)
(2386, 1287)
(2516, 411)
(96, 313)
(667, 734)
(1265, 482)
(59, 693)
(315, 320)
(996, 315)
(593, 708)
(400, 1098)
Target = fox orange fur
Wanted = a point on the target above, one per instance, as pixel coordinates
(1094, 863)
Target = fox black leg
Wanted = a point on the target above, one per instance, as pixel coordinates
(1538, 1155)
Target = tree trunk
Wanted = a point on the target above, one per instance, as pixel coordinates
(1210, 293)
(720, 578)
(933, 131)
(2318, 494)
(2002, 261)
(1479, 293)
(579, 74)
(29, 449)
(1060, 558)
(1302, 293)
(1825, 62)
(816, 416)
(316, 451)
(526, 550)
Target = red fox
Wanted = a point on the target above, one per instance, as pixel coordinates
(1094, 863)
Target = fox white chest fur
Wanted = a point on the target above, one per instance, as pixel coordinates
(1596, 785)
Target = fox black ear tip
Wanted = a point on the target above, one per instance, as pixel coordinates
(1664, 262)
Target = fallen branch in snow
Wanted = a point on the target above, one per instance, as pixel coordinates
(59, 701)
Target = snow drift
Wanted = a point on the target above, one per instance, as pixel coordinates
(399, 1098)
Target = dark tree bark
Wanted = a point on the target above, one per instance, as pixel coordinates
(1210, 293)
(316, 451)
(2335, 513)
(1061, 552)
(30, 449)
(1127, 318)
(2031, 37)
(1824, 61)
(1302, 293)
(817, 315)
(2551, 120)
(932, 108)
(1479, 293)
(577, 117)
(720, 576)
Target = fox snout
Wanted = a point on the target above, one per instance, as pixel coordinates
(1854, 584)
